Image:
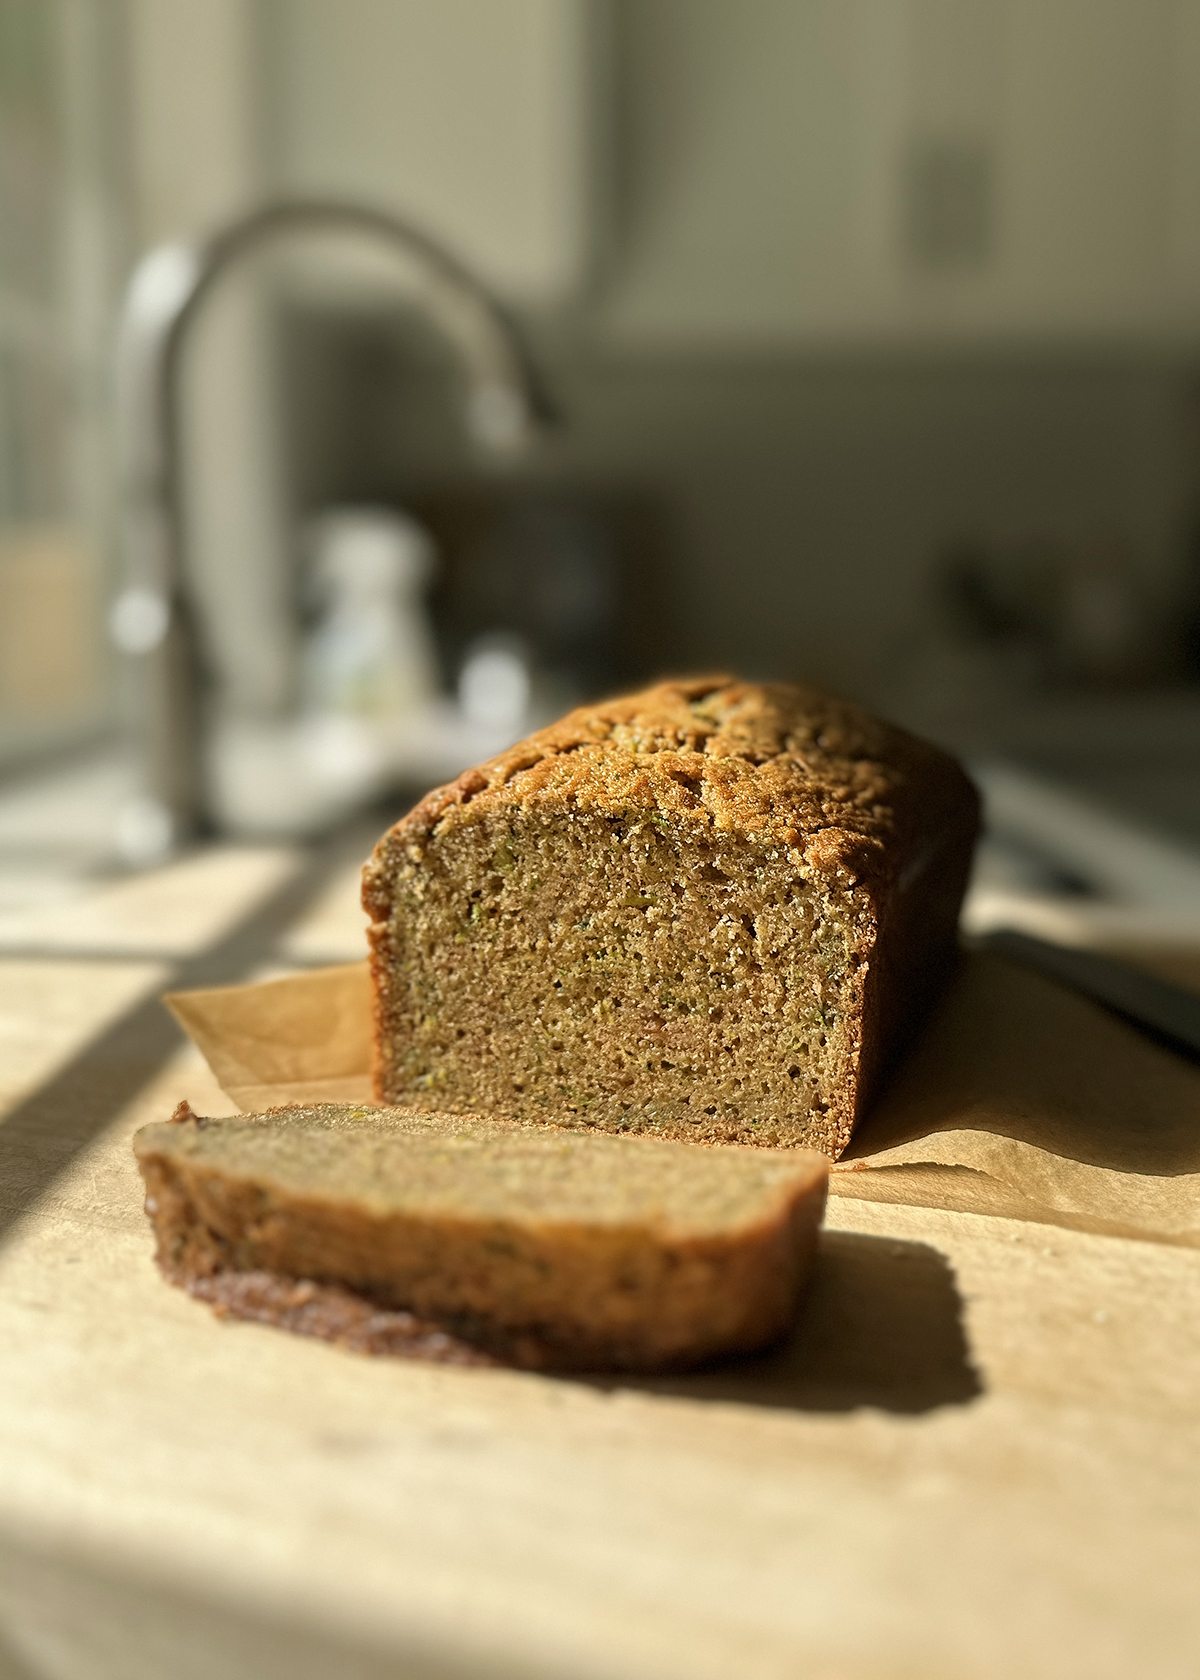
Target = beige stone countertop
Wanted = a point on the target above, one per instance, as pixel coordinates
(978, 1456)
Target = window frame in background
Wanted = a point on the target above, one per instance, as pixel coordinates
(64, 195)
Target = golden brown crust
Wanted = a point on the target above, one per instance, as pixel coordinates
(780, 761)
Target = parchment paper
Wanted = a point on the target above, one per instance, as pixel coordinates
(1019, 1098)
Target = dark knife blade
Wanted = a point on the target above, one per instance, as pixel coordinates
(1169, 1014)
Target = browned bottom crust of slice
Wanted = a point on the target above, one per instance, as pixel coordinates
(330, 1313)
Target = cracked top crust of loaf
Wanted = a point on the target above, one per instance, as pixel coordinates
(780, 762)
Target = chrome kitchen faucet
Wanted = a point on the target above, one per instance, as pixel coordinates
(154, 620)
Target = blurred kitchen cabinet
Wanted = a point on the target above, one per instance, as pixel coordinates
(474, 118)
(909, 171)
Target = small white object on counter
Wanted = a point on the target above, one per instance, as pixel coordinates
(372, 654)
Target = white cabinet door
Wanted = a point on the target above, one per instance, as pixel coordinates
(472, 117)
(900, 171)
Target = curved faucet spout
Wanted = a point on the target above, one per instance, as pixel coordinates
(153, 620)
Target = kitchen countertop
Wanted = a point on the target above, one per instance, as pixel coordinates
(979, 1455)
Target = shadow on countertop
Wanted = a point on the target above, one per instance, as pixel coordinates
(881, 1326)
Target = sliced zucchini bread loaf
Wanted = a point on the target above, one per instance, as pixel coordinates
(711, 911)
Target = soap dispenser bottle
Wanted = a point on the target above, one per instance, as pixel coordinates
(371, 654)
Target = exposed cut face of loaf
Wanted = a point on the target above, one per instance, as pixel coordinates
(538, 1246)
(710, 911)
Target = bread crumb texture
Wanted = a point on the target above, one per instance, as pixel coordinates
(465, 1239)
(710, 911)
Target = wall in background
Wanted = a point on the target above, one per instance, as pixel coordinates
(844, 287)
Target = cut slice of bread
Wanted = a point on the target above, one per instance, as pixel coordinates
(453, 1236)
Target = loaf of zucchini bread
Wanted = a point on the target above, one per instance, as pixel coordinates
(713, 911)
